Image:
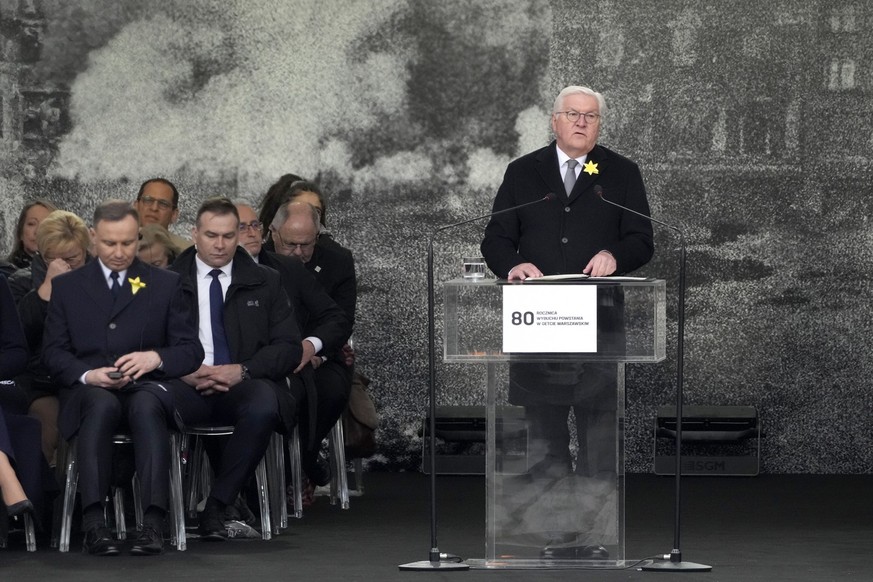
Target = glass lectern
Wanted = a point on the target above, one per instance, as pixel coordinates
(555, 355)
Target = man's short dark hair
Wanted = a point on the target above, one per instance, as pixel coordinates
(220, 206)
(160, 181)
(113, 211)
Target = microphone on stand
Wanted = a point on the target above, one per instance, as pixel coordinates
(434, 561)
(548, 197)
(675, 557)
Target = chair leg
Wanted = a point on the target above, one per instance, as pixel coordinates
(275, 456)
(296, 472)
(58, 505)
(70, 486)
(358, 487)
(264, 498)
(29, 533)
(195, 477)
(339, 484)
(118, 506)
(177, 507)
(137, 501)
(4, 529)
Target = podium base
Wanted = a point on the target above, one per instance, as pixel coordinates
(669, 566)
(425, 565)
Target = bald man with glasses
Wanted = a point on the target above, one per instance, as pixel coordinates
(295, 232)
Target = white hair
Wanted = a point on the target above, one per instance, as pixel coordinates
(575, 90)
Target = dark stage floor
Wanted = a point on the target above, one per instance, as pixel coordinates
(767, 528)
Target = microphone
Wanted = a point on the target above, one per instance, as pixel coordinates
(434, 555)
(548, 197)
(598, 189)
(676, 562)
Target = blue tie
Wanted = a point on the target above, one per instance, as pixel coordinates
(116, 287)
(221, 351)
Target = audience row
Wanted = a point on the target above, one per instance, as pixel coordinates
(126, 327)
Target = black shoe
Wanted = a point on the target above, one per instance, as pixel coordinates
(98, 542)
(574, 553)
(149, 542)
(211, 526)
(317, 469)
(19, 508)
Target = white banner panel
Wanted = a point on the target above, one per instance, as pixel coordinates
(549, 318)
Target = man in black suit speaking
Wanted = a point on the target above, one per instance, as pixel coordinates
(577, 233)
(117, 331)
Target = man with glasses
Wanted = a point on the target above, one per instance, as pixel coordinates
(295, 235)
(323, 323)
(575, 233)
(157, 202)
(295, 230)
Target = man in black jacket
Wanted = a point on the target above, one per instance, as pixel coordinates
(252, 344)
(325, 328)
(295, 232)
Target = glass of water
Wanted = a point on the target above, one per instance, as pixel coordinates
(474, 268)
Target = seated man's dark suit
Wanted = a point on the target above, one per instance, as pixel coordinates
(317, 316)
(333, 267)
(263, 336)
(86, 329)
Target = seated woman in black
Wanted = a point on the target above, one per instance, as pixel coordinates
(22, 467)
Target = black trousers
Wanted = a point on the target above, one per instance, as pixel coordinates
(549, 452)
(333, 383)
(548, 392)
(107, 412)
(253, 409)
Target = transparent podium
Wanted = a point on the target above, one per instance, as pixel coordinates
(555, 417)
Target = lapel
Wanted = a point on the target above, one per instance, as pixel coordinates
(547, 166)
(96, 287)
(586, 180)
(126, 296)
(316, 261)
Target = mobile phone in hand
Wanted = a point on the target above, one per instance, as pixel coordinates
(115, 375)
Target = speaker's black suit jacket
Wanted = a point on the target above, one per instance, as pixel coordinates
(561, 237)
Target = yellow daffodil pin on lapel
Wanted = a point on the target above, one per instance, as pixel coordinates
(590, 168)
(136, 285)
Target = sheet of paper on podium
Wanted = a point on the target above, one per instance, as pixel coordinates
(549, 319)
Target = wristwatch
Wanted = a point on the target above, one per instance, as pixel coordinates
(244, 372)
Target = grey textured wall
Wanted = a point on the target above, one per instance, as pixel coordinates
(751, 124)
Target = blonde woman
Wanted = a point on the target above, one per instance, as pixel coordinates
(63, 242)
